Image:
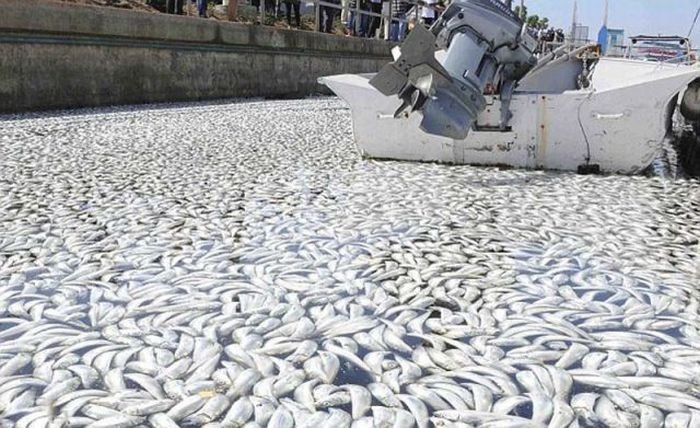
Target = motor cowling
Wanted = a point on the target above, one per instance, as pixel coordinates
(690, 104)
(484, 44)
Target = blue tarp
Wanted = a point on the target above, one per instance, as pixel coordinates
(603, 39)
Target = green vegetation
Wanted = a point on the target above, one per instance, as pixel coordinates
(533, 21)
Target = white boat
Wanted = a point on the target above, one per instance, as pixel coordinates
(572, 111)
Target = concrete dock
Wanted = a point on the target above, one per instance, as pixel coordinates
(63, 55)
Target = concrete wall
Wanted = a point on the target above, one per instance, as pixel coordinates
(58, 55)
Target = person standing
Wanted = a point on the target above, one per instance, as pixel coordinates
(375, 6)
(385, 26)
(293, 5)
(559, 36)
(202, 8)
(171, 6)
(398, 27)
(270, 7)
(352, 18)
(364, 18)
(232, 10)
(328, 14)
(358, 22)
(428, 13)
(344, 12)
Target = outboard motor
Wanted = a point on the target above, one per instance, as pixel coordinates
(486, 46)
(690, 104)
(689, 142)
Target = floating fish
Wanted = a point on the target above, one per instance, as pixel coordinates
(160, 266)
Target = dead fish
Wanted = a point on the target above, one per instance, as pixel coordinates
(147, 282)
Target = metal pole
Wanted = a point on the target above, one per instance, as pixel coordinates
(573, 23)
(317, 26)
(695, 21)
(262, 12)
(358, 17)
(390, 19)
(386, 20)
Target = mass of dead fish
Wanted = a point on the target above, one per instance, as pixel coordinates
(240, 265)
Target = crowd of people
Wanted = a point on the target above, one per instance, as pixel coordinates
(390, 19)
(383, 19)
(548, 39)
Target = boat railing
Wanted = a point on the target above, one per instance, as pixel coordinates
(687, 59)
(679, 61)
(546, 47)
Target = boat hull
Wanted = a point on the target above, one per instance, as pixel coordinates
(618, 124)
